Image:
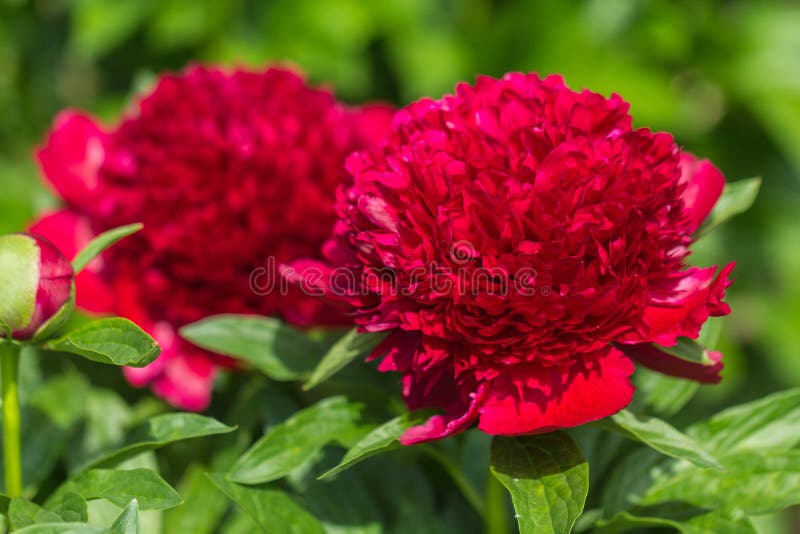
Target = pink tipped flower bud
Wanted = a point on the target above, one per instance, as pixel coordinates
(36, 282)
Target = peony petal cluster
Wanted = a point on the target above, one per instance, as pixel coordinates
(524, 246)
(225, 169)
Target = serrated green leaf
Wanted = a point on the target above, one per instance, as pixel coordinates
(22, 512)
(288, 445)
(274, 348)
(70, 507)
(755, 483)
(548, 479)
(351, 346)
(114, 341)
(61, 528)
(770, 423)
(157, 432)
(737, 197)
(660, 436)
(273, 510)
(96, 246)
(120, 486)
(382, 439)
(128, 520)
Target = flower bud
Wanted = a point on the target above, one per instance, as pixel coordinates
(36, 282)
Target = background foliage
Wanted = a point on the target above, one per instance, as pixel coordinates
(722, 75)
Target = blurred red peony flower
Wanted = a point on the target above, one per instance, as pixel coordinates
(523, 243)
(225, 170)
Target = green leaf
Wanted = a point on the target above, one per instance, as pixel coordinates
(548, 479)
(351, 346)
(633, 474)
(22, 512)
(70, 507)
(290, 444)
(203, 505)
(689, 350)
(120, 486)
(346, 505)
(274, 348)
(157, 432)
(678, 516)
(273, 510)
(666, 395)
(96, 246)
(737, 197)
(660, 436)
(382, 439)
(756, 483)
(61, 528)
(770, 423)
(114, 341)
(663, 395)
(128, 520)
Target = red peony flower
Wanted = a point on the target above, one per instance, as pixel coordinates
(524, 245)
(225, 170)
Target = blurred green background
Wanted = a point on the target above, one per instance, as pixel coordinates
(722, 75)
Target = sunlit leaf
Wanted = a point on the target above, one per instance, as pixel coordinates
(121, 486)
(548, 479)
(274, 510)
(770, 423)
(96, 246)
(756, 483)
(661, 436)
(159, 431)
(271, 346)
(290, 444)
(381, 439)
(350, 347)
(737, 197)
(128, 520)
(114, 341)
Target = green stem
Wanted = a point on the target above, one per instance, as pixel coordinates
(12, 457)
(496, 506)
